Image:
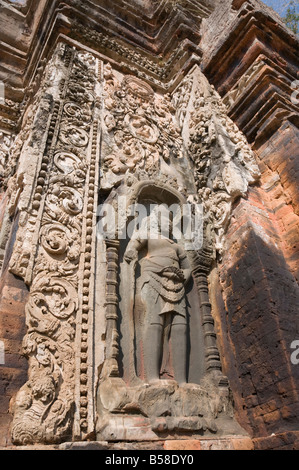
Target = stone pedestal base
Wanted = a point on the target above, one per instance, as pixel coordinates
(164, 411)
(284, 441)
(141, 429)
(226, 443)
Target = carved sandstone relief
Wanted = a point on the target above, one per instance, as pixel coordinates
(6, 140)
(45, 406)
(162, 370)
(188, 132)
(156, 151)
(223, 163)
(150, 149)
(141, 135)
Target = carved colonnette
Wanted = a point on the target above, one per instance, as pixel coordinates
(111, 368)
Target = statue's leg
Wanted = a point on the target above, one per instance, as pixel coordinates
(153, 339)
(179, 352)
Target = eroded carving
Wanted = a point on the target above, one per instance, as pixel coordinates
(45, 405)
(164, 272)
(160, 306)
(142, 133)
(6, 141)
(179, 147)
(148, 142)
(224, 163)
(231, 97)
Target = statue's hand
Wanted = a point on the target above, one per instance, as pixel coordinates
(174, 274)
(181, 276)
(130, 255)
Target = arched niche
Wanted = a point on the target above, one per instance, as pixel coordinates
(132, 311)
(127, 402)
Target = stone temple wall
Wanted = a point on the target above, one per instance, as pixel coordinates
(191, 104)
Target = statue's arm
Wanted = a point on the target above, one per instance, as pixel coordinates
(134, 246)
(185, 265)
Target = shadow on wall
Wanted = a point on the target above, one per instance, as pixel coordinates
(262, 323)
(13, 365)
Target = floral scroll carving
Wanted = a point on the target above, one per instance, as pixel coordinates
(140, 128)
(44, 409)
(223, 163)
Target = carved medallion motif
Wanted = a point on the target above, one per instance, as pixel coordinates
(141, 129)
(45, 405)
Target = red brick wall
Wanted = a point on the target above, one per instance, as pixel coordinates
(13, 374)
(280, 165)
(256, 298)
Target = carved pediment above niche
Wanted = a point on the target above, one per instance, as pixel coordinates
(186, 136)
(140, 132)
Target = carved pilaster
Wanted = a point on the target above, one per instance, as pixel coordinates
(112, 336)
(59, 249)
(202, 262)
(84, 418)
